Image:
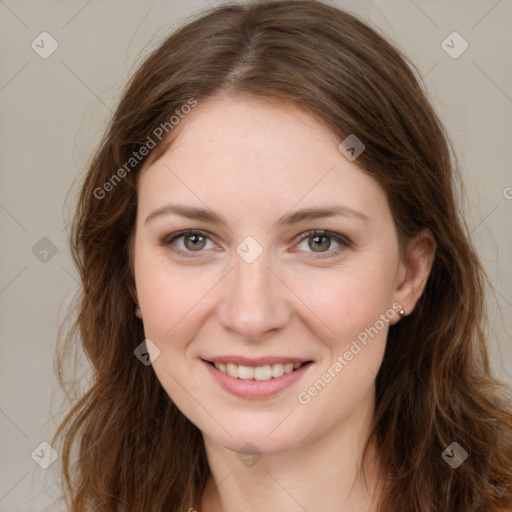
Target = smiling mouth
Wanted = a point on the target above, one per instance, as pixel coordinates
(261, 373)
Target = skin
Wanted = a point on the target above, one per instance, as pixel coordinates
(253, 161)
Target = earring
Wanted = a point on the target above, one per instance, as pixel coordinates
(402, 313)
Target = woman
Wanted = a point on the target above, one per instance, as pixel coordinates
(280, 301)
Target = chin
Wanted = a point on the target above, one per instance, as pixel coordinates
(266, 436)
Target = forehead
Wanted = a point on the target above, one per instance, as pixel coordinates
(247, 127)
(258, 155)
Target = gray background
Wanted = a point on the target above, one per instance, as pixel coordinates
(54, 111)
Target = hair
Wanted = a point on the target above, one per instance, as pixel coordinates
(136, 450)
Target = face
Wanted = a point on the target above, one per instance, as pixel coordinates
(259, 280)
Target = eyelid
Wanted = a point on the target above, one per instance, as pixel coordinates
(167, 241)
(343, 240)
(177, 234)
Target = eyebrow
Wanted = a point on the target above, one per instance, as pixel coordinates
(192, 212)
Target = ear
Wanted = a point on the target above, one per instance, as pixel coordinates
(414, 269)
(133, 292)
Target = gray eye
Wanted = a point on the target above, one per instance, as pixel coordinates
(191, 242)
(318, 243)
(194, 242)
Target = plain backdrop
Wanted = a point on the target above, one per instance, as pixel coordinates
(54, 111)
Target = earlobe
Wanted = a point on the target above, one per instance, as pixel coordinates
(415, 269)
(399, 313)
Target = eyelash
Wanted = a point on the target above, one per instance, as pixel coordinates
(342, 240)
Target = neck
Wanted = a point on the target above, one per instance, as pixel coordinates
(322, 474)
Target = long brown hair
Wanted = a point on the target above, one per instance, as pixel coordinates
(136, 450)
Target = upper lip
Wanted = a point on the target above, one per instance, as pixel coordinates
(258, 361)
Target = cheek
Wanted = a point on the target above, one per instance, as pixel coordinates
(356, 306)
(348, 300)
(171, 298)
(172, 302)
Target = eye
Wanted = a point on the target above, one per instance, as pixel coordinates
(188, 242)
(320, 241)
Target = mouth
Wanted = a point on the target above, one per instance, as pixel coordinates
(256, 378)
(257, 373)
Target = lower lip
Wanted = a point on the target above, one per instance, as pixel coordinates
(256, 388)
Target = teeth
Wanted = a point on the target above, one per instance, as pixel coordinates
(232, 370)
(288, 367)
(277, 370)
(265, 372)
(245, 372)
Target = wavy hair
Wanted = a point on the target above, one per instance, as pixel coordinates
(434, 386)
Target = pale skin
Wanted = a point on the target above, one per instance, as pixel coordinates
(252, 162)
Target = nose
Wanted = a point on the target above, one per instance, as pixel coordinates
(255, 299)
